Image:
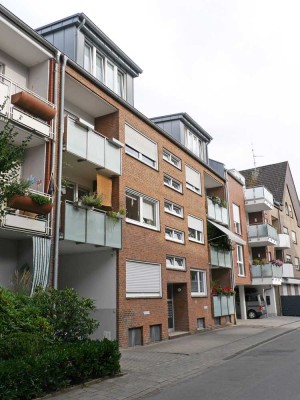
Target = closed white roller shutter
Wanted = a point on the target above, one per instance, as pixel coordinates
(195, 223)
(140, 143)
(236, 213)
(143, 280)
(193, 177)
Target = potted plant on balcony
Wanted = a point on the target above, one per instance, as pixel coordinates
(116, 215)
(92, 200)
(277, 263)
(18, 197)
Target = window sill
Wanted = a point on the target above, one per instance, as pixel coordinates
(143, 296)
(174, 241)
(242, 276)
(199, 295)
(176, 269)
(174, 214)
(151, 227)
(194, 191)
(175, 190)
(175, 166)
(195, 241)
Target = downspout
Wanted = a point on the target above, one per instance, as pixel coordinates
(55, 94)
(76, 40)
(59, 171)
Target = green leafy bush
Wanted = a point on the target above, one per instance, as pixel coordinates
(92, 200)
(58, 367)
(41, 200)
(67, 313)
(21, 344)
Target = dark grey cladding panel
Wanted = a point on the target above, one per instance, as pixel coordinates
(64, 40)
(172, 128)
(218, 167)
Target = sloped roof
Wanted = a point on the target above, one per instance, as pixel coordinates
(271, 176)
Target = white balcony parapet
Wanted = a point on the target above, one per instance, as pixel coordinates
(284, 241)
(216, 212)
(8, 88)
(91, 226)
(220, 258)
(262, 235)
(89, 145)
(258, 199)
(288, 270)
(266, 271)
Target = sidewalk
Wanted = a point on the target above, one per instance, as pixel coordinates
(150, 368)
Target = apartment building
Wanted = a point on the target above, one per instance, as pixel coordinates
(27, 98)
(278, 222)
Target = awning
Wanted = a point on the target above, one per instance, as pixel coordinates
(230, 234)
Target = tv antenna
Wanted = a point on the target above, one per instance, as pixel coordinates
(254, 157)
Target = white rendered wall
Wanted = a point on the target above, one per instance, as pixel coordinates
(14, 70)
(93, 275)
(39, 79)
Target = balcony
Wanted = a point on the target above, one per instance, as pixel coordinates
(217, 212)
(223, 305)
(28, 222)
(25, 108)
(220, 258)
(258, 199)
(288, 270)
(90, 147)
(262, 235)
(90, 226)
(267, 274)
(284, 241)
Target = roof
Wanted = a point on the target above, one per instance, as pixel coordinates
(271, 176)
(80, 19)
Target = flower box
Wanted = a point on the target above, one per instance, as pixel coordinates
(25, 203)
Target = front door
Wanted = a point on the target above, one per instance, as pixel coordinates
(170, 308)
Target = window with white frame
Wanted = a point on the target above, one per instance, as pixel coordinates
(290, 211)
(240, 260)
(296, 261)
(140, 146)
(173, 208)
(285, 230)
(174, 235)
(143, 279)
(286, 206)
(172, 183)
(294, 237)
(168, 156)
(104, 70)
(288, 258)
(193, 180)
(195, 144)
(198, 283)
(236, 219)
(141, 209)
(195, 228)
(174, 262)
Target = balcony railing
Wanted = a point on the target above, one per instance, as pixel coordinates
(24, 221)
(223, 305)
(288, 270)
(8, 88)
(217, 212)
(266, 271)
(220, 258)
(262, 235)
(284, 241)
(92, 147)
(91, 226)
(258, 199)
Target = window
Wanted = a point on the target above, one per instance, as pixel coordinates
(240, 260)
(195, 145)
(110, 75)
(135, 336)
(193, 181)
(120, 84)
(288, 259)
(297, 263)
(173, 262)
(143, 279)
(198, 283)
(236, 219)
(141, 209)
(155, 333)
(88, 57)
(168, 156)
(200, 323)
(286, 208)
(173, 208)
(100, 67)
(172, 183)
(290, 211)
(285, 230)
(294, 237)
(195, 226)
(140, 147)
(174, 235)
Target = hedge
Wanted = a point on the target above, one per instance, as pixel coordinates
(58, 367)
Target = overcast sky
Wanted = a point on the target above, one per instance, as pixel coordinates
(233, 66)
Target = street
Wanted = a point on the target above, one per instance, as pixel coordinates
(270, 371)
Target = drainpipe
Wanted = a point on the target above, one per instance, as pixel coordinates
(59, 170)
(56, 116)
(76, 41)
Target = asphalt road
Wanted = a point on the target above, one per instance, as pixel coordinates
(270, 371)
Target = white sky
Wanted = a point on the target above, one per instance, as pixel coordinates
(232, 65)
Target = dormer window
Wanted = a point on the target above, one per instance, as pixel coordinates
(88, 57)
(194, 144)
(100, 67)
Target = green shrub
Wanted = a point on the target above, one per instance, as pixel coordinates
(41, 200)
(58, 367)
(21, 344)
(67, 313)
